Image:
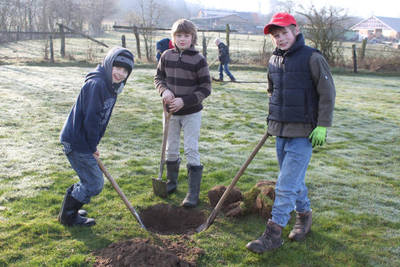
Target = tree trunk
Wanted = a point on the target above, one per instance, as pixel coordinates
(135, 31)
(62, 36)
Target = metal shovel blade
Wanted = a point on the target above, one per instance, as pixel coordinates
(160, 188)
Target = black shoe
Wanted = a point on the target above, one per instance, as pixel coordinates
(82, 212)
(69, 214)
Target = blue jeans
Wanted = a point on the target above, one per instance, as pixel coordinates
(90, 176)
(291, 192)
(226, 69)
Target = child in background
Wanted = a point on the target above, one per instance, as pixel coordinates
(301, 102)
(183, 82)
(84, 128)
(224, 59)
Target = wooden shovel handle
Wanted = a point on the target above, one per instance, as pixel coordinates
(214, 213)
(167, 116)
(120, 193)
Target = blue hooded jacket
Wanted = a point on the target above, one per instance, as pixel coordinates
(90, 114)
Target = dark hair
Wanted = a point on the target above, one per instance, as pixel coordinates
(185, 26)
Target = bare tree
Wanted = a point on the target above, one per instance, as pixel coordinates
(97, 11)
(325, 28)
(147, 18)
(288, 6)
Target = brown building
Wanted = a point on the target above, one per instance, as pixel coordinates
(379, 28)
(245, 22)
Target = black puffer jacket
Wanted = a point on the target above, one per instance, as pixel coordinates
(223, 51)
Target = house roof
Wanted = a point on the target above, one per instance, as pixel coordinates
(374, 22)
(250, 17)
(393, 23)
(228, 17)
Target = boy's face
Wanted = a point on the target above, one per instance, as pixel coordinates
(284, 37)
(119, 74)
(183, 40)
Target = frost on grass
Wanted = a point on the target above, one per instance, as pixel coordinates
(37, 102)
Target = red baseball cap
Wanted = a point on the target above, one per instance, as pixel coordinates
(280, 19)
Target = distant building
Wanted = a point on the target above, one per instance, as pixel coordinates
(248, 22)
(379, 28)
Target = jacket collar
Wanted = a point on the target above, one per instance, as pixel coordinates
(190, 50)
(299, 43)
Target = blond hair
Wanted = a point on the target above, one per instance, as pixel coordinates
(185, 26)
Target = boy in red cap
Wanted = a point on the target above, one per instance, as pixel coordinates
(301, 101)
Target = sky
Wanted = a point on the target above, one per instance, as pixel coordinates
(360, 8)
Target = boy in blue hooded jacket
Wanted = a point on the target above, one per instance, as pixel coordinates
(84, 128)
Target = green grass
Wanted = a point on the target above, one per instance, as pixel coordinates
(353, 181)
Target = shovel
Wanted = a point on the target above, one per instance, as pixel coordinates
(120, 193)
(215, 211)
(160, 186)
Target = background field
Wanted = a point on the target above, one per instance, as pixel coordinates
(245, 50)
(353, 181)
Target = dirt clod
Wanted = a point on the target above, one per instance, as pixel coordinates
(142, 252)
(216, 193)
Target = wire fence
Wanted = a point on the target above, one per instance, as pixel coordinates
(244, 49)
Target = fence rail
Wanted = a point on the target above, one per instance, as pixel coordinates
(244, 48)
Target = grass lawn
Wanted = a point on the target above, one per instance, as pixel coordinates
(354, 181)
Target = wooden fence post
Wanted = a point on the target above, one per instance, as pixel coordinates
(51, 50)
(363, 47)
(135, 31)
(354, 58)
(123, 41)
(62, 36)
(204, 46)
(228, 30)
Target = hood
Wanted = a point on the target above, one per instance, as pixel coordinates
(105, 69)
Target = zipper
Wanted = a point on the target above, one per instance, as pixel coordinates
(177, 64)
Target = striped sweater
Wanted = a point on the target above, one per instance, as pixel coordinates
(186, 75)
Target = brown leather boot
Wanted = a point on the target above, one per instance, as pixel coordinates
(302, 226)
(269, 240)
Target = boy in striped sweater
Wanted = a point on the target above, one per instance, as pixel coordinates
(183, 81)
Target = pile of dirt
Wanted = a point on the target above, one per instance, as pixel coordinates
(258, 200)
(142, 252)
(216, 193)
(167, 219)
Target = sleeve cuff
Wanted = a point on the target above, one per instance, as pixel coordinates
(189, 100)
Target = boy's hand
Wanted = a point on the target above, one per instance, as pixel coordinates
(167, 96)
(318, 136)
(175, 105)
(96, 154)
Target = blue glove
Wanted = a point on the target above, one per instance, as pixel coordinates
(318, 136)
